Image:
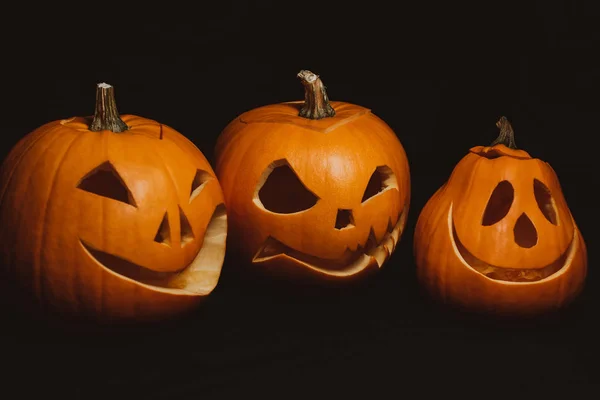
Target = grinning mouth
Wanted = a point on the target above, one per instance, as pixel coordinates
(192, 278)
(351, 262)
(508, 274)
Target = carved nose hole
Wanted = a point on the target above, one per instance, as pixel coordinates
(163, 235)
(525, 232)
(187, 234)
(344, 219)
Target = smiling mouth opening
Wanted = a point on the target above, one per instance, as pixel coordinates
(508, 274)
(351, 262)
(199, 277)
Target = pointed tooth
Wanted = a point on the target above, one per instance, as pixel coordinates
(270, 248)
(390, 226)
(371, 240)
(380, 254)
(388, 243)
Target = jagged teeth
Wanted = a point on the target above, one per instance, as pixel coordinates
(270, 248)
(371, 240)
(371, 247)
(389, 243)
(390, 227)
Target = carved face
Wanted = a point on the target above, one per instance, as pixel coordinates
(498, 237)
(513, 227)
(327, 197)
(163, 256)
(127, 224)
(283, 199)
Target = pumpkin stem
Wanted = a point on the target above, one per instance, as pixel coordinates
(106, 116)
(316, 102)
(506, 136)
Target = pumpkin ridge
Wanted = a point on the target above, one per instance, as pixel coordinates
(156, 150)
(44, 213)
(185, 141)
(38, 266)
(30, 177)
(19, 160)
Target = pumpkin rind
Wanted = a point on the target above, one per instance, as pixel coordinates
(47, 220)
(459, 205)
(334, 157)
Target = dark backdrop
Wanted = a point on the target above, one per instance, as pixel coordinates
(439, 74)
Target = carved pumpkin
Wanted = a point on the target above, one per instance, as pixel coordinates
(314, 190)
(111, 218)
(498, 236)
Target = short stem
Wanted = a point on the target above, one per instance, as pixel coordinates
(106, 116)
(506, 136)
(316, 102)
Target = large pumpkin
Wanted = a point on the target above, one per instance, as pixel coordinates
(314, 189)
(498, 236)
(111, 218)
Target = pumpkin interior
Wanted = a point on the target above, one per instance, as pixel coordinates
(525, 235)
(351, 262)
(105, 181)
(281, 191)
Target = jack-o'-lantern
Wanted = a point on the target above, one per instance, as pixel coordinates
(498, 236)
(111, 218)
(315, 190)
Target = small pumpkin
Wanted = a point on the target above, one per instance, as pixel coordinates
(111, 217)
(314, 189)
(498, 236)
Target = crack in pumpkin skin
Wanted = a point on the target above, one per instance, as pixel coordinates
(508, 274)
(350, 262)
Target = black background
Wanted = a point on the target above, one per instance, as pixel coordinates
(440, 74)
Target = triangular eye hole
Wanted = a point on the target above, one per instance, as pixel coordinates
(382, 178)
(281, 191)
(499, 203)
(199, 182)
(545, 201)
(105, 181)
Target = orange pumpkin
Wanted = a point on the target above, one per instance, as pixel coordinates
(314, 189)
(111, 218)
(499, 237)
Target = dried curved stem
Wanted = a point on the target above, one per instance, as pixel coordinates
(507, 134)
(106, 116)
(316, 102)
